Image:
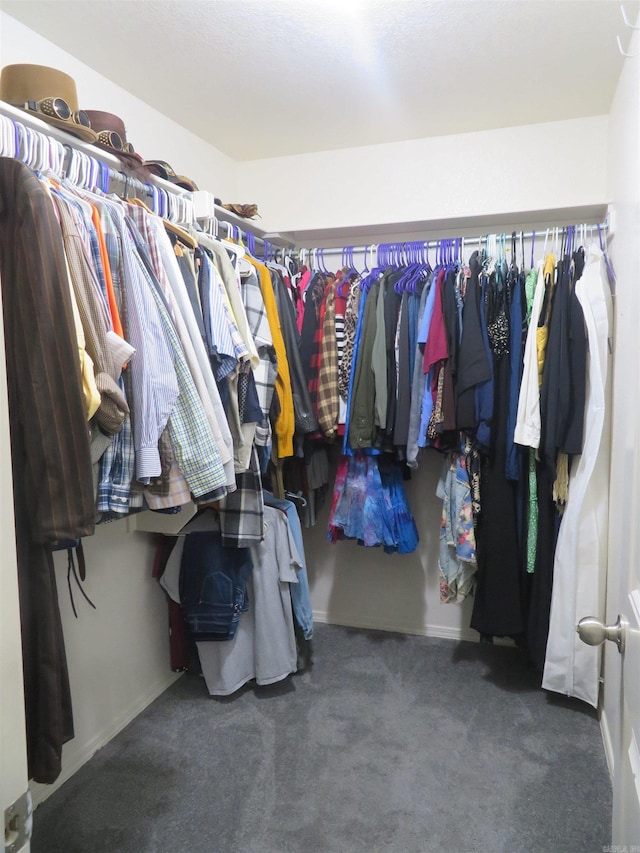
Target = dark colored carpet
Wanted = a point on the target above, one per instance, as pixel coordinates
(390, 743)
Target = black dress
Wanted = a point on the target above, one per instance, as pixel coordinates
(498, 602)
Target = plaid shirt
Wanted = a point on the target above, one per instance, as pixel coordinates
(178, 491)
(328, 395)
(311, 337)
(192, 441)
(267, 370)
(116, 473)
(242, 511)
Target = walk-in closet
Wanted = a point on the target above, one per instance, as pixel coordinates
(319, 426)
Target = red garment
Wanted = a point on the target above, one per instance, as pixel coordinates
(316, 357)
(435, 348)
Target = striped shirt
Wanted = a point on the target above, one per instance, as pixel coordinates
(192, 442)
(219, 341)
(153, 376)
(195, 351)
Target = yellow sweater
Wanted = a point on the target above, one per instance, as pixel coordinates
(285, 423)
(542, 332)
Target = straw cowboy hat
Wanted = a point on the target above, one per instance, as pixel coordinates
(48, 94)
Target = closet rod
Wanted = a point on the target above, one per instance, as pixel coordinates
(466, 241)
(71, 141)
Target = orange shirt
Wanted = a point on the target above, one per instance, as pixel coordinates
(106, 266)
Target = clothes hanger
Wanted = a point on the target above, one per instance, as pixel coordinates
(533, 243)
(321, 264)
(32, 149)
(234, 249)
(350, 270)
(603, 247)
(365, 268)
(226, 225)
(291, 265)
(296, 497)
(180, 233)
(6, 143)
(240, 263)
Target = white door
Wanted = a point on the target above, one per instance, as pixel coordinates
(624, 557)
(13, 747)
(626, 782)
(621, 698)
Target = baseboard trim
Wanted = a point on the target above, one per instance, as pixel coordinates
(419, 630)
(40, 793)
(607, 743)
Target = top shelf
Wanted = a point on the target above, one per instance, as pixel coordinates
(435, 229)
(222, 215)
(248, 225)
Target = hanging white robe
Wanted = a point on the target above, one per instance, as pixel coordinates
(579, 572)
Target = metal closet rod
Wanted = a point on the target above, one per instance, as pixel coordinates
(466, 241)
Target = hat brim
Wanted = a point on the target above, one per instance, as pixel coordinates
(160, 170)
(185, 183)
(79, 130)
(122, 155)
(132, 164)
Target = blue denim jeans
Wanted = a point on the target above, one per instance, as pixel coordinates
(213, 586)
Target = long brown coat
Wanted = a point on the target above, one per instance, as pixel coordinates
(53, 491)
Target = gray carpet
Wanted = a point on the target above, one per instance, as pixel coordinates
(390, 743)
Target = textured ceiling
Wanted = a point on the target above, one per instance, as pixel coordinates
(262, 79)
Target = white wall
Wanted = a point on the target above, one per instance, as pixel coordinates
(365, 588)
(489, 173)
(118, 654)
(624, 185)
(153, 135)
(13, 743)
(502, 174)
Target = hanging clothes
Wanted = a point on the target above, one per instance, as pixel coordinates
(457, 558)
(53, 498)
(263, 645)
(498, 601)
(572, 667)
